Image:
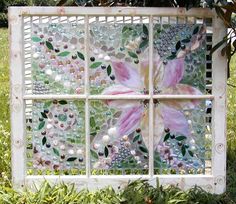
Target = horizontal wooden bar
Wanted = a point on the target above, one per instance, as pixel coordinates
(120, 181)
(116, 97)
(183, 97)
(53, 96)
(113, 11)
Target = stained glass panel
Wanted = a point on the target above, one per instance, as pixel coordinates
(182, 137)
(118, 57)
(56, 132)
(57, 58)
(179, 59)
(118, 64)
(119, 136)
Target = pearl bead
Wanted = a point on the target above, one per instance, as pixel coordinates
(96, 51)
(55, 142)
(48, 72)
(107, 58)
(186, 113)
(35, 55)
(105, 139)
(137, 158)
(125, 137)
(112, 132)
(96, 146)
(80, 151)
(49, 126)
(72, 47)
(193, 148)
(58, 78)
(62, 147)
(100, 56)
(71, 151)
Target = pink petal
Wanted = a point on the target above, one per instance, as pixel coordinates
(197, 40)
(182, 89)
(174, 120)
(174, 72)
(158, 71)
(120, 90)
(127, 75)
(130, 120)
(158, 127)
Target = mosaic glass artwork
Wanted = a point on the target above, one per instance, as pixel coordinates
(179, 59)
(58, 58)
(182, 136)
(58, 131)
(119, 138)
(117, 52)
(118, 64)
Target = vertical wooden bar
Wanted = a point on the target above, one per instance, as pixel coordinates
(86, 89)
(17, 103)
(151, 106)
(219, 74)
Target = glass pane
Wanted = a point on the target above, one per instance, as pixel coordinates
(119, 137)
(57, 59)
(182, 137)
(118, 56)
(179, 59)
(56, 137)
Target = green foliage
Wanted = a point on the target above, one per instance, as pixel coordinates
(137, 192)
(4, 4)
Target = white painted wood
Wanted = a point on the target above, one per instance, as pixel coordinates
(17, 103)
(54, 96)
(214, 183)
(219, 73)
(118, 11)
(87, 113)
(95, 182)
(151, 105)
(128, 97)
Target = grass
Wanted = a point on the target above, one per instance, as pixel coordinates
(136, 192)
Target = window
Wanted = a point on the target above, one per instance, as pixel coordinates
(104, 96)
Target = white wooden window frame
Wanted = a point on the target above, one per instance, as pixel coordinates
(215, 182)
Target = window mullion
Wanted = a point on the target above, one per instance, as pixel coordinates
(86, 88)
(151, 107)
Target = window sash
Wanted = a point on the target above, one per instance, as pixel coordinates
(214, 182)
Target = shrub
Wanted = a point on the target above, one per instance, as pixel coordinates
(4, 4)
